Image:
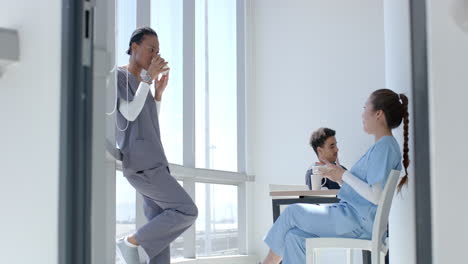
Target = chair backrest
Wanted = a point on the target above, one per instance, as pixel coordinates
(383, 208)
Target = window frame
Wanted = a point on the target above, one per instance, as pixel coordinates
(191, 176)
(188, 173)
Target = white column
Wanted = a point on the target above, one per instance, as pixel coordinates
(398, 78)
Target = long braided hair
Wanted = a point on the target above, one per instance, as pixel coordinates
(395, 108)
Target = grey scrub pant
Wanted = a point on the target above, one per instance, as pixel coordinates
(169, 210)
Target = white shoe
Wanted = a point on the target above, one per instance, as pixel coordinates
(126, 254)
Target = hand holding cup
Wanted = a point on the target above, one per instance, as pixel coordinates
(158, 65)
(332, 171)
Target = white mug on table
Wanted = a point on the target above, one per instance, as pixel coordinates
(316, 178)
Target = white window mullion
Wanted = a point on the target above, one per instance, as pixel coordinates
(189, 84)
(208, 147)
(242, 217)
(190, 234)
(143, 18)
(240, 36)
(241, 126)
(189, 112)
(208, 219)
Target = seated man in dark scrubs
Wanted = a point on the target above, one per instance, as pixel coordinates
(323, 142)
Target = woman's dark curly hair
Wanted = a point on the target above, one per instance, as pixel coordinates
(318, 138)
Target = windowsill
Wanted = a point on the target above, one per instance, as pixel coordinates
(236, 259)
(204, 175)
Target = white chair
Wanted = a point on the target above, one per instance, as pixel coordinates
(377, 246)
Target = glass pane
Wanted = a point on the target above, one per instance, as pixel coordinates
(217, 223)
(166, 20)
(216, 84)
(125, 206)
(126, 24)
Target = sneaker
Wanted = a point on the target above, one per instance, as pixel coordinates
(127, 253)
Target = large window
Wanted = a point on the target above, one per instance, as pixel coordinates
(126, 24)
(216, 84)
(125, 206)
(217, 223)
(166, 20)
(201, 118)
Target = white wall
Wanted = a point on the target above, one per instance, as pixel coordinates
(448, 87)
(398, 77)
(314, 64)
(30, 95)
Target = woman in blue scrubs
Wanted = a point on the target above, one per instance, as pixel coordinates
(361, 187)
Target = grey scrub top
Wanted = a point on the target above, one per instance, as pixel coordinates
(140, 140)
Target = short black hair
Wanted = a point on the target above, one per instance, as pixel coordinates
(137, 36)
(318, 137)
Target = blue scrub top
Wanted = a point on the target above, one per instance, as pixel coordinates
(374, 167)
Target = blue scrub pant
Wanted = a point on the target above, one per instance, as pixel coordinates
(300, 221)
(169, 210)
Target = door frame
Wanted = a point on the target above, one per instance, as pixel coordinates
(420, 100)
(76, 133)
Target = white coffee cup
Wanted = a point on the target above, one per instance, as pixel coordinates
(166, 68)
(316, 178)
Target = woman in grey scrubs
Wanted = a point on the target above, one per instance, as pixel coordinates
(169, 209)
